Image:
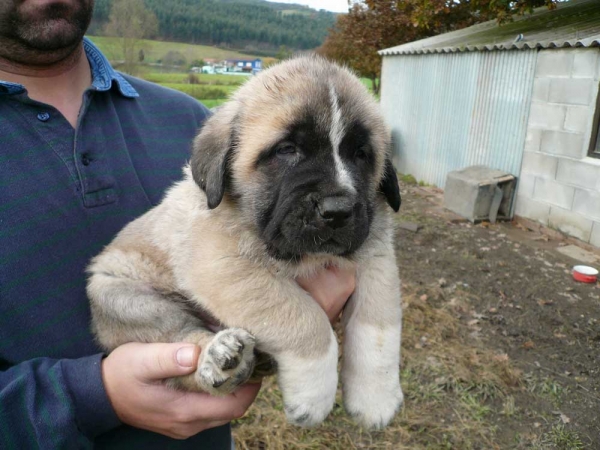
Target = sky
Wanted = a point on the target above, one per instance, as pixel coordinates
(329, 5)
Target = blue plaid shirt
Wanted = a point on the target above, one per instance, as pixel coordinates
(64, 194)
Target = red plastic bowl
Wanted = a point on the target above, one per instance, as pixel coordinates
(585, 274)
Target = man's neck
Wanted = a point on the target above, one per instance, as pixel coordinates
(61, 84)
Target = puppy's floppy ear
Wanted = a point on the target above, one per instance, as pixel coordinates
(389, 185)
(211, 155)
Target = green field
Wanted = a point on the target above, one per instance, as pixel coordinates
(156, 50)
(211, 90)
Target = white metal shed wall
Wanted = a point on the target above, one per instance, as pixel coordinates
(448, 111)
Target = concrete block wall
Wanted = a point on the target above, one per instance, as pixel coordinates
(559, 184)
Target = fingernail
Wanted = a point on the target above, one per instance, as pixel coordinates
(185, 356)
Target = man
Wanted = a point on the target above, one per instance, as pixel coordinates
(83, 151)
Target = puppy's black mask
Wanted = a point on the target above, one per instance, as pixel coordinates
(308, 206)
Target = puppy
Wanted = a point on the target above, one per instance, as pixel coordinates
(293, 174)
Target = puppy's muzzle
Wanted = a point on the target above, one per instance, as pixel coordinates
(335, 211)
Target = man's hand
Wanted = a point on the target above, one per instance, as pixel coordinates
(331, 288)
(133, 375)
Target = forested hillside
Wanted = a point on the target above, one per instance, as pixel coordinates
(234, 23)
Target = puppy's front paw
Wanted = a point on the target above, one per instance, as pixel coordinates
(309, 387)
(373, 406)
(307, 411)
(226, 362)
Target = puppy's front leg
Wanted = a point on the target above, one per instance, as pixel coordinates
(372, 321)
(288, 324)
(309, 383)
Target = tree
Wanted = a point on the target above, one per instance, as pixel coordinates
(372, 25)
(283, 53)
(174, 58)
(131, 22)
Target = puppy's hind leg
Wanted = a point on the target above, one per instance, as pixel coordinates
(126, 310)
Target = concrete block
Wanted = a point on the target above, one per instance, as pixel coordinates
(539, 164)
(526, 183)
(578, 118)
(532, 209)
(570, 223)
(554, 193)
(578, 173)
(554, 63)
(480, 193)
(533, 140)
(563, 144)
(578, 254)
(547, 116)
(541, 89)
(577, 91)
(587, 203)
(584, 62)
(595, 239)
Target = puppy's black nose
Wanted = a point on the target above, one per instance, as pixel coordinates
(335, 211)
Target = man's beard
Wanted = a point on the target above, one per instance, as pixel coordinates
(53, 27)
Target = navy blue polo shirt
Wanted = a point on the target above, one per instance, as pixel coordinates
(64, 194)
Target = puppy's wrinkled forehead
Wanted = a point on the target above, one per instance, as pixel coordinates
(305, 91)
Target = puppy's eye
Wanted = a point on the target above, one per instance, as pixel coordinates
(286, 149)
(360, 154)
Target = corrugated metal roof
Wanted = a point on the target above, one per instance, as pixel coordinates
(571, 24)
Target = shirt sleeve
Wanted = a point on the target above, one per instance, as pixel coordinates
(54, 403)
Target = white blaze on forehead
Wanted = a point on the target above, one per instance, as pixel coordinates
(336, 133)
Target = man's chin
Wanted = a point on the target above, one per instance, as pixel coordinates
(51, 26)
(52, 35)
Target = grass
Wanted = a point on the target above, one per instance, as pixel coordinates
(211, 90)
(212, 103)
(450, 384)
(203, 78)
(545, 387)
(559, 438)
(201, 92)
(408, 179)
(156, 50)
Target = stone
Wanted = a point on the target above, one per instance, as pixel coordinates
(554, 193)
(583, 174)
(578, 254)
(532, 209)
(410, 226)
(572, 91)
(539, 164)
(584, 63)
(595, 239)
(587, 203)
(578, 118)
(549, 117)
(563, 144)
(570, 223)
(480, 193)
(554, 63)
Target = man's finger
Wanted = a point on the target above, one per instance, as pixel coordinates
(159, 361)
(226, 408)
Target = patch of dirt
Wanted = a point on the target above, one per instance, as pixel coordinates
(500, 347)
(518, 299)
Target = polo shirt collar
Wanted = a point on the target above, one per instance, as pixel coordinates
(103, 75)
